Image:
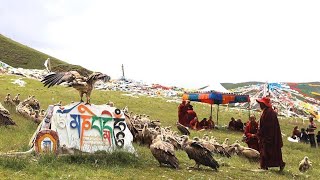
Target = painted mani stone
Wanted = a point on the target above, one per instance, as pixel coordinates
(88, 128)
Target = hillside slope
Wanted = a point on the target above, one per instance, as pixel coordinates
(19, 55)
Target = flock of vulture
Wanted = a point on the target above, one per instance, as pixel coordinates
(163, 142)
(28, 108)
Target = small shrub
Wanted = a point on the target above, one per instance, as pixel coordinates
(14, 163)
(101, 158)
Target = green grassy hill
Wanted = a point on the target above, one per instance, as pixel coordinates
(18, 55)
(124, 166)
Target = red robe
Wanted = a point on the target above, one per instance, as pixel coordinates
(191, 114)
(250, 133)
(182, 114)
(210, 124)
(194, 124)
(203, 124)
(270, 140)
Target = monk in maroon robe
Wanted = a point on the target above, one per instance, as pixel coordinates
(182, 113)
(251, 133)
(210, 123)
(191, 114)
(269, 135)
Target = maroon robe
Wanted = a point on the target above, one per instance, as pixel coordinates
(203, 124)
(270, 140)
(194, 124)
(232, 125)
(250, 133)
(210, 124)
(182, 114)
(191, 114)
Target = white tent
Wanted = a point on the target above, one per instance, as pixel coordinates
(214, 87)
(204, 86)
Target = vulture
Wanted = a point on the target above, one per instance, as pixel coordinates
(174, 141)
(5, 117)
(16, 99)
(164, 152)
(148, 134)
(225, 143)
(199, 153)
(249, 153)
(184, 130)
(82, 84)
(305, 164)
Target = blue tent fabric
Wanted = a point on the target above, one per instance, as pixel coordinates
(241, 98)
(216, 97)
(194, 97)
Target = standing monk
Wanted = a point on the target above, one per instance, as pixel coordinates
(182, 112)
(251, 133)
(310, 130)
(269, 135)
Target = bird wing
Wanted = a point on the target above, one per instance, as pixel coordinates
(209, 146)
(4, 110)
(301, 167)
(5, 118)
(60, 77)
(251, 153)
(164, 157)
(201, 155)
(184, 130)
(201, 146)
(164, 146)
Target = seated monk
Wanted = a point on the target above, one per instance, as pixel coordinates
(251, 133)
(203, 124)
(295, 133)
(194, 124)
(232, 124)
(210, 123)
(191, 114)
(238, 125)
(304, 136)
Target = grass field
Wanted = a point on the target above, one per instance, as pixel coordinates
(126, 166)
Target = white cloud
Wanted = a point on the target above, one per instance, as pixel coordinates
(186, 42)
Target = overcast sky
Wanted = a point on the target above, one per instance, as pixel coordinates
(185, 43)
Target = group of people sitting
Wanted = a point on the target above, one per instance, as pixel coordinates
(188, 117)
(236, 125)
(307, 135)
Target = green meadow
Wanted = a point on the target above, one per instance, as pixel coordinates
(120, 165)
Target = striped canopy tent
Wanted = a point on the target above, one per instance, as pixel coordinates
(218, 98)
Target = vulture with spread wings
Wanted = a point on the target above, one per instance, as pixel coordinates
(81, 83)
